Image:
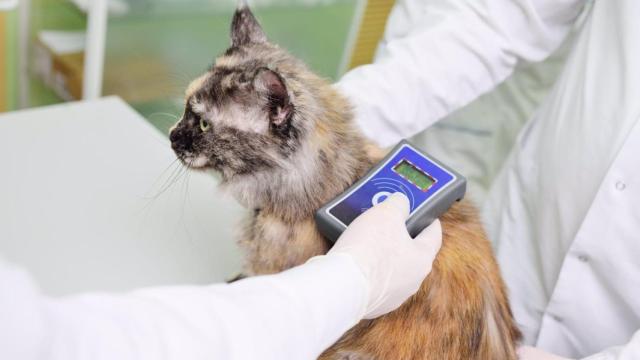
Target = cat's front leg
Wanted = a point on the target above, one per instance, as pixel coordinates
(238, 276)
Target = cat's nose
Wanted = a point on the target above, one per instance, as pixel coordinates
(179, 140)
(173, 135)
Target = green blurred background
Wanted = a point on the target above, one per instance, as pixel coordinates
(156, 47)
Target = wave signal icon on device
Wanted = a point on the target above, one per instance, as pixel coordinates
(387, 186)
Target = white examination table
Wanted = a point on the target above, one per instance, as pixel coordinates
(77, 206)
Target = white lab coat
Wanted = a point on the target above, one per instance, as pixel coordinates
(564, 211)
(292, 315)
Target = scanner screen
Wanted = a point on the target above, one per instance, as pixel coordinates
(414, 175)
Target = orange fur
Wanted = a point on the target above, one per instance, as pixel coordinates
(460, 312)
(450, 316)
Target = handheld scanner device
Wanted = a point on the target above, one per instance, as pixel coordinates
(430, 186)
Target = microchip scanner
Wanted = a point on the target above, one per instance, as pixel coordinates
(430, 186)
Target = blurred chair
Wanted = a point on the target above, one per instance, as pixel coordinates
(8, 4)
(5, 5)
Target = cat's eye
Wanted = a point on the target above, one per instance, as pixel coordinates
(204, 125)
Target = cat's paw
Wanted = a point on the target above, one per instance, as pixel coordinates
(239, 276)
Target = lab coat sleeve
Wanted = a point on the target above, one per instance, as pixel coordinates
(630, 351)
(292, 315)
(437, 56)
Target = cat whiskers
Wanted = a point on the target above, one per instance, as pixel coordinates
(185, 185)
(173, 118)
(176, 168)
(179, 170)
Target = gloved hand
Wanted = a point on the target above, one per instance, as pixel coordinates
(531, 353)
(393, 263)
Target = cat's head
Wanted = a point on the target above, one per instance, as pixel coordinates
(280, 136)
(247, 113)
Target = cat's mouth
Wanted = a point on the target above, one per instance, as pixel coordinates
(195, 162)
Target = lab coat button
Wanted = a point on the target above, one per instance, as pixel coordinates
(620, 185)
(556, 318)
(583, 258)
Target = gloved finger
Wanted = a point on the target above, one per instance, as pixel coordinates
(431, 237)
(396, 203)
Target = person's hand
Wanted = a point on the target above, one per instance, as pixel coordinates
(531, 353)
(393, 263)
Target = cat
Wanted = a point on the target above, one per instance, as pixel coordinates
(284, 143)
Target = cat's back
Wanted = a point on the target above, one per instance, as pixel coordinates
(466, 291)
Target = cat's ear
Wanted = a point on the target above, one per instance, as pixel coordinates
(245, 29)
(273, 87)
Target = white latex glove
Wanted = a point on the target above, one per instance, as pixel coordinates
(393, 263)
(531, 353)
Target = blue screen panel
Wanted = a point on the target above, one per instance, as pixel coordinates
(386, 181)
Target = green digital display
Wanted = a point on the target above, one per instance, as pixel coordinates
(411, 173)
